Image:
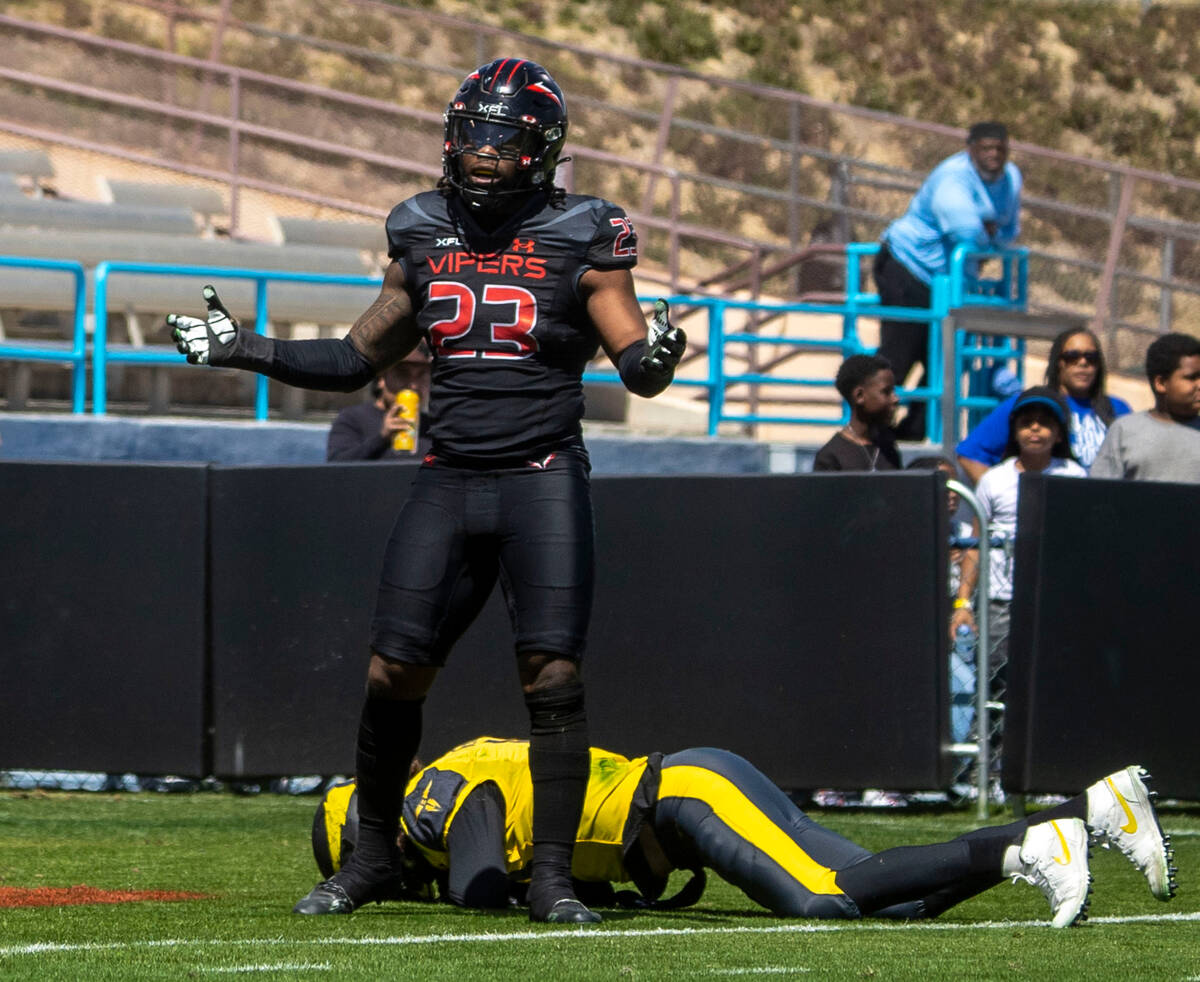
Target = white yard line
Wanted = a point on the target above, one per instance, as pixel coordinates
(579, 934)
(271, 967)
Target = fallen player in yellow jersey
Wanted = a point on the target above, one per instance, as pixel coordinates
(467, 825)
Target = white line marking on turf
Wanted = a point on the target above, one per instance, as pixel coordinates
(580, 934)
(764, 970)
(274, 967)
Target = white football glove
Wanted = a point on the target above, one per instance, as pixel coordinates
(666, 342)
(205, 341)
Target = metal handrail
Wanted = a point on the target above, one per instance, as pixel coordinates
(165, 355)
(716, 382)
(982, 749)
(76, 354)
(953, 289)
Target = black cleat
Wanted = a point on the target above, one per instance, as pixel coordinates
(349, 888)
(327, 897)
(568, 910)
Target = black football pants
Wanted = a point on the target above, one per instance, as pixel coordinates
(460, 530)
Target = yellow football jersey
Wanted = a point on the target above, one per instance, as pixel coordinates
(436, 793)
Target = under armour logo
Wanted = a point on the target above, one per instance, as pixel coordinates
(523, 245)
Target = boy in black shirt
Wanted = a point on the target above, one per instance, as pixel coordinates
(865, 443)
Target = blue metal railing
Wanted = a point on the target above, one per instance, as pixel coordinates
(957, 288)
(164, 355)
(960, 287)
(977, 356)
(74, 354)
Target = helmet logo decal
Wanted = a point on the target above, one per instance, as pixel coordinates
(544, 90)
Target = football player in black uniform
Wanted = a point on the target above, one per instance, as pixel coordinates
(513, 284)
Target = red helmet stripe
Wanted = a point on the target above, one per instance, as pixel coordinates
(491, 83)
(515, 68)
(544, 90)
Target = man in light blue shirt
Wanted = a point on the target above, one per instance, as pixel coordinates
(972, 197)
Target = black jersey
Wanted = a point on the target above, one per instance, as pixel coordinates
(502, 314)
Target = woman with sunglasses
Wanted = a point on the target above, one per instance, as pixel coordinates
(1076, 370)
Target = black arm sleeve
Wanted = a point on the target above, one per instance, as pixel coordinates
(320, 363)
(639, 378)
(475, 843)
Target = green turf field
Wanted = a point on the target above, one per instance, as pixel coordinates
(250, 858)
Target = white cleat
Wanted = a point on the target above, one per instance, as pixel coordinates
(1120, 811)
(1054, 858)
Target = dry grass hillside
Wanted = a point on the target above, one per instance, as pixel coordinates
(1116, 80)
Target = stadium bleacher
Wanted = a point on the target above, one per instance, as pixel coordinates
(368, 237)
(35, 165)
(56, 213)
(153, 295)
(161, 224)
(10, 187)
(205, 202)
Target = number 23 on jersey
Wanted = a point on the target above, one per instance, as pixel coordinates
(505, 329)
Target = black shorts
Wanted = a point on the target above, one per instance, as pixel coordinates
(530, 526)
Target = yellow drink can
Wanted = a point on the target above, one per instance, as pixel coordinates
(409, 402)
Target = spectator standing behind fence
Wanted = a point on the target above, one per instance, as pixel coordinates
(1162, 444)
(368, 430)
(865, 443)
(1037, 442)
(514, 284)
(972, 197)
(1075, 368)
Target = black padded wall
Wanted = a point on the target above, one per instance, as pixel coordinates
(1103, 670)
(102, 617)
(791, 619)
(296, 553)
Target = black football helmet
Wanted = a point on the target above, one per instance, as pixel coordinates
(335, 833)
(335, 828)
(517, 109)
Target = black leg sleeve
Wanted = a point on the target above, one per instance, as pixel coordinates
(388, 735)
(559, 763)
(939, 875)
